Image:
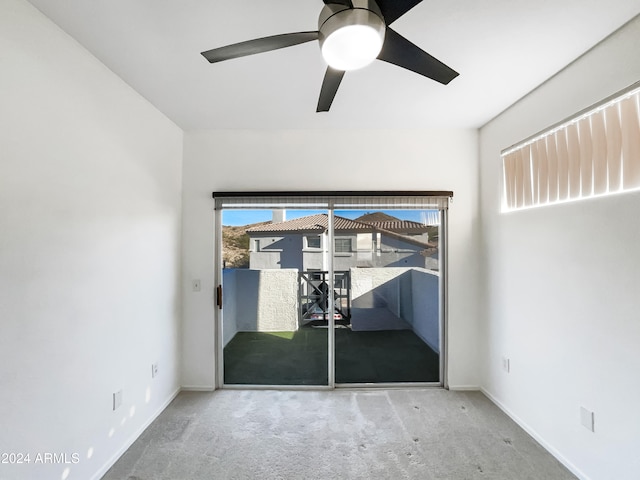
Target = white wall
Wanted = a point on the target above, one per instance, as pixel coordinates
(561, 286)
(245, 160)
(90, 199)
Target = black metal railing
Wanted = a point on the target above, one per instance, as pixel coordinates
(313, 296)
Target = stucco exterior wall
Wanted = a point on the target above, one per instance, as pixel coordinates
(288, 251)
(229, 302)
(377, 287)
(276, 251)
(425, 306)
(260, 301)
(410, 293)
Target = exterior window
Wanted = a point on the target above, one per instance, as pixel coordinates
(256, 245)
(315, 274)
(343, 245)
(313, 241)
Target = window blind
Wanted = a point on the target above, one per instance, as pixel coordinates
(596, 152)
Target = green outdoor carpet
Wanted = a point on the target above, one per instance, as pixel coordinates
(300, 358)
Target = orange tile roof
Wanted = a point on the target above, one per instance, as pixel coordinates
(320, 222)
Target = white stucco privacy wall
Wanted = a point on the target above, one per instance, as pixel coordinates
(90, 218)
(561, 286)
(425, 306)
(229, 304)
(259, 160)
(412, 294)
(259, 301)
(371, 285)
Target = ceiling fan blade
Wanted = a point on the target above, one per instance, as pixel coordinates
(401, 52)
(330, 84)
(394, 9)
(258, 45)
(346, 3)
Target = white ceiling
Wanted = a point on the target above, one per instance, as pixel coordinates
(502, 48)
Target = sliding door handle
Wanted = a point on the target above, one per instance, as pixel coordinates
(219, 296)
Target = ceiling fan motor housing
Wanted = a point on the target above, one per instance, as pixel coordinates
(351, 38)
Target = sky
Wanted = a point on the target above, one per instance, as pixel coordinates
(245, 217)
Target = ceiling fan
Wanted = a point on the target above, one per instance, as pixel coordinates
(352, 33)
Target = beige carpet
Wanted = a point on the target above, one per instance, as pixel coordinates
(424, 434)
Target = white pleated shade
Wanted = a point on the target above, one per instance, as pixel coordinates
(630, 120)
(599, 148)
(543, 171)
(595, 153)
(552, 168)
(586, 157)
(562, 152)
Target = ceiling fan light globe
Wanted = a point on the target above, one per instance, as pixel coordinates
(350, 38)
(352, 47)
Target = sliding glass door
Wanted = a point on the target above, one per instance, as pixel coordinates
(392, 258)
(271, 259)
(323, 291)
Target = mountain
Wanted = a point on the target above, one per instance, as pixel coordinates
(376, 217)
(235, 245)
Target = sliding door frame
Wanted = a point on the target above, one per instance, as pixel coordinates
(217, 299)
(444, 297)
(330, 206)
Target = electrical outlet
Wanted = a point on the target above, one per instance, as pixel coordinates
(506, 364)
(154, 370)
(117, 400)
(195, 285)
(587, 419)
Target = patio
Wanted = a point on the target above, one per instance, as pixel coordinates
(300, 357)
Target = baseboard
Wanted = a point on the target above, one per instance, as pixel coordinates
(100, 473)
(553, 451)
(464, 388)
(197, 388)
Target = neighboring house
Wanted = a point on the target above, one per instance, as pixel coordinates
(302, 244)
